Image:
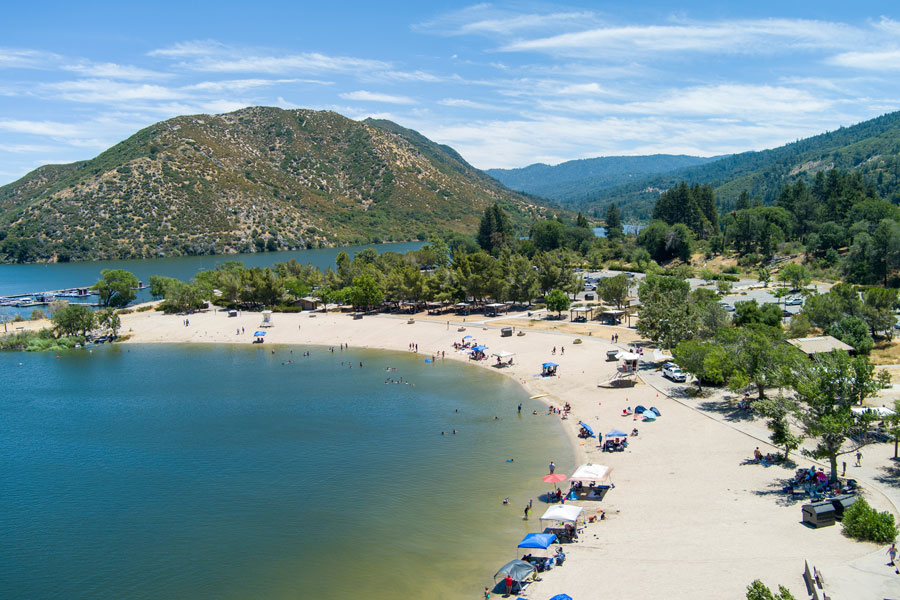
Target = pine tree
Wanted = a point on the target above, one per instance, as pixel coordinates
(613, 222)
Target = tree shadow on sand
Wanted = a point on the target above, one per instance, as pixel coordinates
(783, 498)
(890, 474)
(728, 409)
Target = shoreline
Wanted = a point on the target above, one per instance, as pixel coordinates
(687, 515)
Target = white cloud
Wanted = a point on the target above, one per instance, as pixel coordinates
(45, 128)
(191, 49)
(463, 103)
(487, 19)
(876, 60)
(366, 96)
(106, 91)
(26, 58)
(246, 84)
(215, 57)
(110, 70)
(761, 36)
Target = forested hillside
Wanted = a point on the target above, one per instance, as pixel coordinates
(577, 180)
(871, 148)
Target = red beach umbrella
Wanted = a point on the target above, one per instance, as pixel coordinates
(553, 478)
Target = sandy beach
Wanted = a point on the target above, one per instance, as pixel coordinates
(687, 517)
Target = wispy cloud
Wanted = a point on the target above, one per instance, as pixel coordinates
(215, 57)
(463, 103)
(26, 58)
(487, 19)
(114, 71)
(367, 96)
(738, 37)
(107, 91)
(233, 85)
(876, 60)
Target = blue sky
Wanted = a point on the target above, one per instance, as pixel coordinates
(506, 84)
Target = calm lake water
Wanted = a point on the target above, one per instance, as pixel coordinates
(187, 472)
(25, 279)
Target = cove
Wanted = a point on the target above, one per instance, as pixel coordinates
(164, 471)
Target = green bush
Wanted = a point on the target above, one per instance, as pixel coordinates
(125, 311)
(863, 522)
(144, 308)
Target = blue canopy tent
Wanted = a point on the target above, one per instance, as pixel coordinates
(538, 540)
(655, 411)
(259, 333)
(588, 429)
(467, 337)
(616, 433)
(479, 348)
(548, 365)
(561, 597)
(639, 409)
(548, 369)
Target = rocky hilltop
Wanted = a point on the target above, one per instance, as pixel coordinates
(258, 179)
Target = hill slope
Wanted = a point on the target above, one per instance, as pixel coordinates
(871, 148)
(258, 178)
(578, 180)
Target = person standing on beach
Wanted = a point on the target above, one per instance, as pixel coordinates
(527, 508)
(892, 553)
(520, 408)
(858, 458)
(509, 581)
(552, 467)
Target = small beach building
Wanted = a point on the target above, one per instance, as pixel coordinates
(267, 319)
(308, 303)
(822, 344)
(494, 309)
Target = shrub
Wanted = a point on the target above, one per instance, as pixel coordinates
(125, 311)
(732, 269)
(144, 308)
(863, 522)
(37, 314)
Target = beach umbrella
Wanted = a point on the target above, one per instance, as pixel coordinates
(587, 428)
(561, 597)
(553, 478)
(466, 337)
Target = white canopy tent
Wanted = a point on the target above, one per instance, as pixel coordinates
(591, 472)
(628, 356)
(880, 411)
(503, 354)
(566, 513)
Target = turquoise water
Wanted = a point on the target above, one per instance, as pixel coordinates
(229, 472)
(26, 279)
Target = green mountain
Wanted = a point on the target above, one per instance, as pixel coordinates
(871, 148)
(577, 180)
(256, 179)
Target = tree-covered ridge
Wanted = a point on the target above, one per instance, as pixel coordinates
(870, 148)
(256, 179)
(577, 180)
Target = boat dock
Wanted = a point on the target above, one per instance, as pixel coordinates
(44, 298)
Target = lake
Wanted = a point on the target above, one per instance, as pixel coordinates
(162, 471)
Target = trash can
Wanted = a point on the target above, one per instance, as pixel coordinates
(506, 332)
(818, 514)
(840, 504)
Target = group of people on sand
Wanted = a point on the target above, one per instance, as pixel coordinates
(562, 351)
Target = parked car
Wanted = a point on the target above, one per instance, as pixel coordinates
(726, 306)
(674, 373)
(793, 301)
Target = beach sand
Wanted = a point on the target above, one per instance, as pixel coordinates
(686, 519)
